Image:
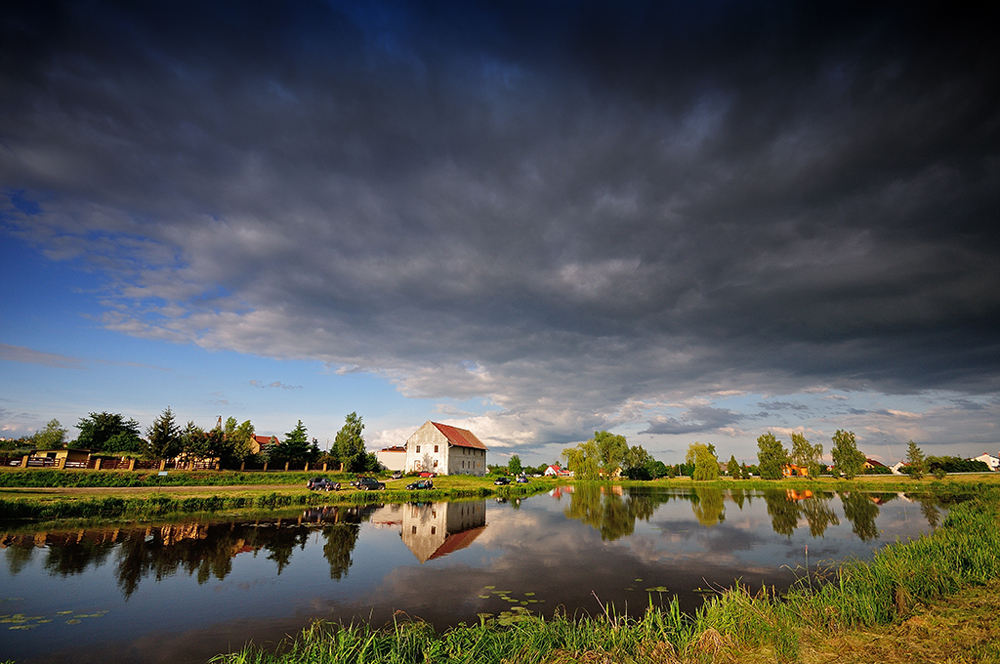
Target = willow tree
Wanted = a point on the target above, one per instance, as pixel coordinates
(706, 464)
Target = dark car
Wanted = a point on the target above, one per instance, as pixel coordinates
(368, 484)
(322, 484)
(420, 484)
(501, 481)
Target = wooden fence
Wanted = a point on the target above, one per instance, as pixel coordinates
(98, 463)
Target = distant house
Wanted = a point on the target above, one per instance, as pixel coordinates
(791, 470)
(446, 450)
(393, 458)
(874, 464)
(556, 471)
(260, 443)
(990, 460)
(897, 468)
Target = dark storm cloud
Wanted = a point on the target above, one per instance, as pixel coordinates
(695, 420)
(562, 207)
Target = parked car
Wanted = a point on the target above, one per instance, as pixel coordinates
(368, 484)
(521, 479)
(501, 481)
(322, 484)
(420, 484)
(397, 475)
(427, 473)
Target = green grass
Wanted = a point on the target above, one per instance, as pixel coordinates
(732, 626)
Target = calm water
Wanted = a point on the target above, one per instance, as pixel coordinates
(182, 592)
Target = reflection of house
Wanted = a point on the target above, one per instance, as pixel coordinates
(446, 450)
(791, 470)
(990, 460)
(393, 458)
(388, 516)
(792, 494)
(434, 530)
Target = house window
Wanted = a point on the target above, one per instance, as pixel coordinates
(435, 463)
(435, 449)
(414, 530)
(434, 530)
(418, 449)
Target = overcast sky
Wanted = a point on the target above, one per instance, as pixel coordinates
(675, 221)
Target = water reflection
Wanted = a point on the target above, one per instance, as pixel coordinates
(201, 550)
(610, 510)
(218, 583)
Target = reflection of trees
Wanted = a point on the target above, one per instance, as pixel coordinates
(929, 508)
(340, 541)
(739, 496)
(18, 556)
(786, 509)
(67, 560)
(861, 511)
(201, 550)
(819, 514)
(611, 514)
(708, 506)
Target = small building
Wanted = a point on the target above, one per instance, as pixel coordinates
(446, 450)
(791, 470)
(990, 460)
(556, 471)
(63, 457)
(876, 465)
(393, 458)
(897, 468)
(260, 443)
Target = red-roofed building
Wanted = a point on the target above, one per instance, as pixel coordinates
(260, 442)
(446, 450)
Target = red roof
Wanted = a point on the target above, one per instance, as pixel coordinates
(394, 448)
(265, 440)
(458, 540)
(460, 437)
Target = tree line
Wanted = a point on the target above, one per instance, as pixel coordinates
(232, 443)
(607, 455)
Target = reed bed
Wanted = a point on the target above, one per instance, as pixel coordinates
(734, 625)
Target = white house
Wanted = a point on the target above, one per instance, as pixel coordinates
(393, 458)
(446, 450)
(897, 467)
(990, 460)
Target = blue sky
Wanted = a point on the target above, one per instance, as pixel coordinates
(532, 220)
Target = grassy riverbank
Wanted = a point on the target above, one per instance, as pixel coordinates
(897, 594)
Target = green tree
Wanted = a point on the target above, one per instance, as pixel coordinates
(733, 468)
(349, 444)
(916, 460)
(771, 456)
(846, 457)
(582, 460)
(164, 436)
(240, 439)
(611, 449)
(514, 465)
(706, 465)
(98, 429)
(52, 437)
(636, 464)
(806, 454)
(295, 447)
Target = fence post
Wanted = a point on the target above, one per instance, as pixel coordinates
(324, 467)
(243, 464)
(61, 464)
(286, 465)
(265, 466)
(163, 464)
(24, 460)
(306, 469)
(131, 464)
(97, 464)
